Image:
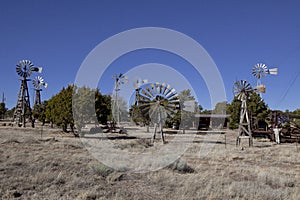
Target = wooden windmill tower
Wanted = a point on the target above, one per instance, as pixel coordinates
(242, 90)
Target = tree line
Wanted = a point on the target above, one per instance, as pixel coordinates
(73, 107)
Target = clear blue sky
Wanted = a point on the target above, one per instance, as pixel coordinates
(58, 35)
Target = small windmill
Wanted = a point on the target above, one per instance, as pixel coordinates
(260, 71)
(242, 91)
(137, 84)
(38, 83)
(157, 101)
(23, 110)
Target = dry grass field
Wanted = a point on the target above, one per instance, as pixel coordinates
(57, 166)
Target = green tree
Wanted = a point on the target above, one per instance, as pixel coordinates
(83, 106)
(10, 112)
(39, 112)
(59, 109)
(138, 117)
(185, 118)
(296, 116)
(220, 108)
(2, 110)
(103, 107)
(257, 109)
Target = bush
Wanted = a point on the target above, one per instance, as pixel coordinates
(102, 170)
(181, 166)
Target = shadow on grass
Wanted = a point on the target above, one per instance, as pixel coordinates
(121, 137)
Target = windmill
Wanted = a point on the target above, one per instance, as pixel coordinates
(260, 71)
(38, 83)
(24, 69)
(242, 91)
(137, 84)
(156, 101)
(119, 80)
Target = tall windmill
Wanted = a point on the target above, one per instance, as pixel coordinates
(119, 80)
(260, 71)
(242, 91)
(38, 83)
(24, 69)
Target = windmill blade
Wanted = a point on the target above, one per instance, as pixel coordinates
(144, 92)
(171, 93)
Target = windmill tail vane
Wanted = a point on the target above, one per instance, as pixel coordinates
(273, 71)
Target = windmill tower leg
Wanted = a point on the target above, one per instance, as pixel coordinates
(244, 130)
(161, 128)
(154, 132)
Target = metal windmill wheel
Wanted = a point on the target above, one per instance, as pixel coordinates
(24, 68)
(260, 70)
(158, 101)
(242, 89)
(38, 82)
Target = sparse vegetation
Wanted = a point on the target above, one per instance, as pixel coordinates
(181, 166)
(58, 167)
(102, 170)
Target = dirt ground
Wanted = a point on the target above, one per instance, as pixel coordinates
(49, 164)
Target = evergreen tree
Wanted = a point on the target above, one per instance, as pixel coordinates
(103, 107)
(258, 110)
(184, 118)
(2, 110)
(84, 106)
(59, 109)
(39, 112)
